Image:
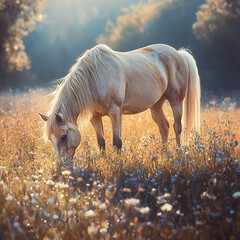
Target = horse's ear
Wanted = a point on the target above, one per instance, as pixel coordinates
(43, 116)
(59, 118)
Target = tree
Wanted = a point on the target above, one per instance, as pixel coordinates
(218, 31)
(17, 19)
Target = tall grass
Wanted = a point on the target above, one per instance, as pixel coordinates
(147, 192)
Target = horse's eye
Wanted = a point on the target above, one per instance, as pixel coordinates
(64, 137)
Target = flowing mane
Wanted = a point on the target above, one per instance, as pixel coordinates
(76, 93)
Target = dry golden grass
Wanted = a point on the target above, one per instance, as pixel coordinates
(147, 192)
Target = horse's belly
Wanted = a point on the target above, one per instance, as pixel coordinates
(132, 109)
(138, 102)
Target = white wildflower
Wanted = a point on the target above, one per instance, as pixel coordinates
(61, 185)
(66, 173)
(132, 201)
(167, 195)
(209, 196)
(34, 177)
(179, 213)
(90, 213)
(50, 182)
(9, 197)
(166, 207)
(55, 216)
(72, 200)
(163, 198)
(95, 203)
(144, 210)
(102, 206)
(236, 195)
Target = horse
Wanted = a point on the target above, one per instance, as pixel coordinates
(106, 82)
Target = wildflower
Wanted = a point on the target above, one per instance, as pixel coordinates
(90, 213)
(41, 171)
(141, 189)
(153, 191)
(132, 201)
(16, 224)
(179, 213)
(103, 231)
(215, 214)
(102, 206)
(162, 199)
(127, 190)
(50, 182)
(232, 211)
(72, 200)
(9, 197)
(55, 217)
(206, 195)
(236, 195)
(66, 173)
(70, 213)
(166, 207)
(92, 230)
(26, 198)
(144, 210)
(50, 200)
(61, 185)
(34, 201)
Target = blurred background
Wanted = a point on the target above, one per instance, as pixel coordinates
(40, 39)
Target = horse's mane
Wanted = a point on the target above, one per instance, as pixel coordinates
(76, 92)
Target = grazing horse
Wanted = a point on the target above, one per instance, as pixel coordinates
(106, 82)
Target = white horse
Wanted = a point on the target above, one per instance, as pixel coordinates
(105, 82)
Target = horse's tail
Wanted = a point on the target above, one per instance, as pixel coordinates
(191, 104)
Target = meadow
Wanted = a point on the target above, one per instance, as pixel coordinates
(146, 192)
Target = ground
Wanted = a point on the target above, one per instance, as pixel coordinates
(146, 192)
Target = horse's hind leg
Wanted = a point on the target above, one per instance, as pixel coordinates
(98, 126)
(177, 114)
(115, 115)
(160, 119)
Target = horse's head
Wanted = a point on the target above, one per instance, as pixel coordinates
(65, 136)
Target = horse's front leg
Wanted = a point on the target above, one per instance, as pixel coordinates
(115, 115)
(98, 126)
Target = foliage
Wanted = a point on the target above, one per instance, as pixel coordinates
(17, 19)
(147, 192)
(216, 16)
(218, 31)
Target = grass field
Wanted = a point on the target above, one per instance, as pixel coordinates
(147, 192)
